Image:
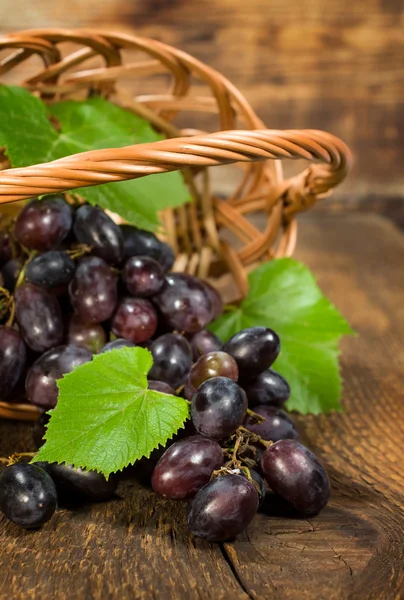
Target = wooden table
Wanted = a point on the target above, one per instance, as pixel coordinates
(138, 545)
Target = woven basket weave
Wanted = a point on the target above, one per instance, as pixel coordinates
(212, 237)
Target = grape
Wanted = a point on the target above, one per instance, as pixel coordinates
(218, 408)
(278, 424)
(13, 357)
(92, 226)
(6, 248)
(118, 343)
(143, 276)
(172, 359)
(160, 386)
(254, 349)
(214, 364)
(50, 269)
(10, 273)
(27, 495)
(184, 303)
(91, 336)
(41, 379)
(186, 466)
(167, 256)
(43, 224)
(267, 388)
(293, 472)
(135, 319)
(39, 429)
(216, 299)
(138, 242)
(93, 290)
(223, 508)
(203, 342)
(39, 317)
(87, 485)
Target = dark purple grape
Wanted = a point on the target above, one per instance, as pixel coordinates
(138, 242)
(167, 256)
(87, 485)
(277, 426)
(223, 508)
(255, 349)
(6, 248)
(39, 317)
(10, 273)
(160, 386)
(28, 495)
(214, 364)
(172, 359)
(186, 466)
(266, 388)
(293, 472)
(218, 408)
(93, 290)
(91, 336)
(13, 357)
(50, 269)
(118, 343)
(43, 224)
(39, 429)
(143, 276)
(184, 303)
(135, 319)
(217, 302)
(92, 226)
(203, 342)
(41, 379)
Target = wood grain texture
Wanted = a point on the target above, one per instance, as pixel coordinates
(336, 66)
(137, 546)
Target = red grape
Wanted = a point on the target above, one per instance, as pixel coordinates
(93, 290)
(186, 466)
(39, 317)
(143, 276)
(92, 226)
(43, 224)
(218, 408)
(223, 508)
(135, 319)
(184, 303)
(293, 472)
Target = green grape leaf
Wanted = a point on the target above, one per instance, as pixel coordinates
(29, 138)
(285, 297)
(106, 418)
(25, 130)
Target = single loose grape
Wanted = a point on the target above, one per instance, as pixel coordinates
(223, 508)
(28, 495)
(293, 472)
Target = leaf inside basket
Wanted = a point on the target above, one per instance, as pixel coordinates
(29, 138)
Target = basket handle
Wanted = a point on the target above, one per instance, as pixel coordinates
(119, 164)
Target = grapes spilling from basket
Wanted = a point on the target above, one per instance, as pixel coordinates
(74, 283)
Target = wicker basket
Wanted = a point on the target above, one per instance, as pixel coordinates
(213, 238)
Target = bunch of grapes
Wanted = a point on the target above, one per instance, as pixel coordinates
(75, 283)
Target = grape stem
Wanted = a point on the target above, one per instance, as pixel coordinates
(255, 416)
(11, 460)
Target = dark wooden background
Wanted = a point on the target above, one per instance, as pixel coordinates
(334, 65)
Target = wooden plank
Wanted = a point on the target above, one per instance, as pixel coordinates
(328, 65)
(138, 545)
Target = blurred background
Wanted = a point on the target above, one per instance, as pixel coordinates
(321, 64)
